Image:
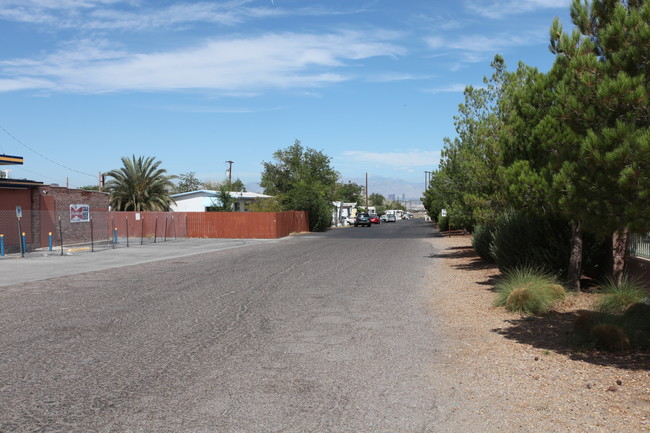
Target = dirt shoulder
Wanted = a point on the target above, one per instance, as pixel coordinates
(523, 374)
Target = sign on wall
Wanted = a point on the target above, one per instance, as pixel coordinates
(79, 213)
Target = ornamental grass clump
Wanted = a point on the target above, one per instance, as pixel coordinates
(618, 297)
(528, 290)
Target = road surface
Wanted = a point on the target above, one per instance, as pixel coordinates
(327, 332)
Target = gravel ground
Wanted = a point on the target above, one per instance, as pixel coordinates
(516, 374)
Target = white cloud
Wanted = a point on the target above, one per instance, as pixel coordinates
(396, 76)
(452, 88)
(237, 64)
(131, 15)
(501, 8)
(478, 48)
(400, 160)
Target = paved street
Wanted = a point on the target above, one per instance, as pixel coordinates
(328, 332)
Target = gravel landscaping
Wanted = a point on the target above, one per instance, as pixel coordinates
(523, 374)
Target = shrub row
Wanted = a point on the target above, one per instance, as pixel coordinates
(517, 240)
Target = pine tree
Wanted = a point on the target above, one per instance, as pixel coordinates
(604, 97)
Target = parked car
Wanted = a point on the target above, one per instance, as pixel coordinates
(383, 218)
(362, 219)
(391, 218)
(374, 218)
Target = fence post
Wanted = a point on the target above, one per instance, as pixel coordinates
(92, 240)
(2, 245)
(174, 227)
(127, 231)
(142, 231)
(155, 230)
(165, 235)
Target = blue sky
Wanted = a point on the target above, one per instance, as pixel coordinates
(374, 84)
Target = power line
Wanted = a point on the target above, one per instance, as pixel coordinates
(43, 156)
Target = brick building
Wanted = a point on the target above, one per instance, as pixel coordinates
(29, 207)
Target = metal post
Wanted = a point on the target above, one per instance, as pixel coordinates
(22, 253)
(2, 245)
(114, 236)
(127, 232)
(165, 235)
(92, 240)
(142, 231)
(49, 240)
(23, 243)
(60, 236)
(174, 227)
(155, 230)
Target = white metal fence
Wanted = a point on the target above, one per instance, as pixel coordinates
(640, 245)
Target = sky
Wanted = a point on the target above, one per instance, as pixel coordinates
(373, 84)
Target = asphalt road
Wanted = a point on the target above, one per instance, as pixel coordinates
(329, 332)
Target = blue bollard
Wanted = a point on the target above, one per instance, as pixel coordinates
(2, 245)
(49, 238)
(23, 239)
(115, 235)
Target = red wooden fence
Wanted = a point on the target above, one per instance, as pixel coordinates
(245, 225)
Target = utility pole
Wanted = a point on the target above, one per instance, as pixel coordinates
(366, 192)
(229, 174)
(427, 179)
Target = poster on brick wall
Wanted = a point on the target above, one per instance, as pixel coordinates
(79, 213)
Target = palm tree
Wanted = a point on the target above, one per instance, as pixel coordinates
(140, 186)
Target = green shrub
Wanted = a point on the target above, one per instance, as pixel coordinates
(521, 240)
(481, 241)
(618, 297)
(443, 223)
(527, 290)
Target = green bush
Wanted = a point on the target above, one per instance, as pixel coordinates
(527, 290)
(443, 223)
(482, 240)
(618, 297)
(521, 240)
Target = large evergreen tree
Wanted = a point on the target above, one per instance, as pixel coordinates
(604, 98)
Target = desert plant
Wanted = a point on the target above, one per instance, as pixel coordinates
(481, 241)
(527, 290)
(618, 297)
(610, 336)
(636, 322)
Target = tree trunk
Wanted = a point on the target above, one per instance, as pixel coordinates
(620, 241)
(575, 261)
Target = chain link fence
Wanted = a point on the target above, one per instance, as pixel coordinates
(79, 230)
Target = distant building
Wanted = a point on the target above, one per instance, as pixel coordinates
(391, 197)
(200, 200)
